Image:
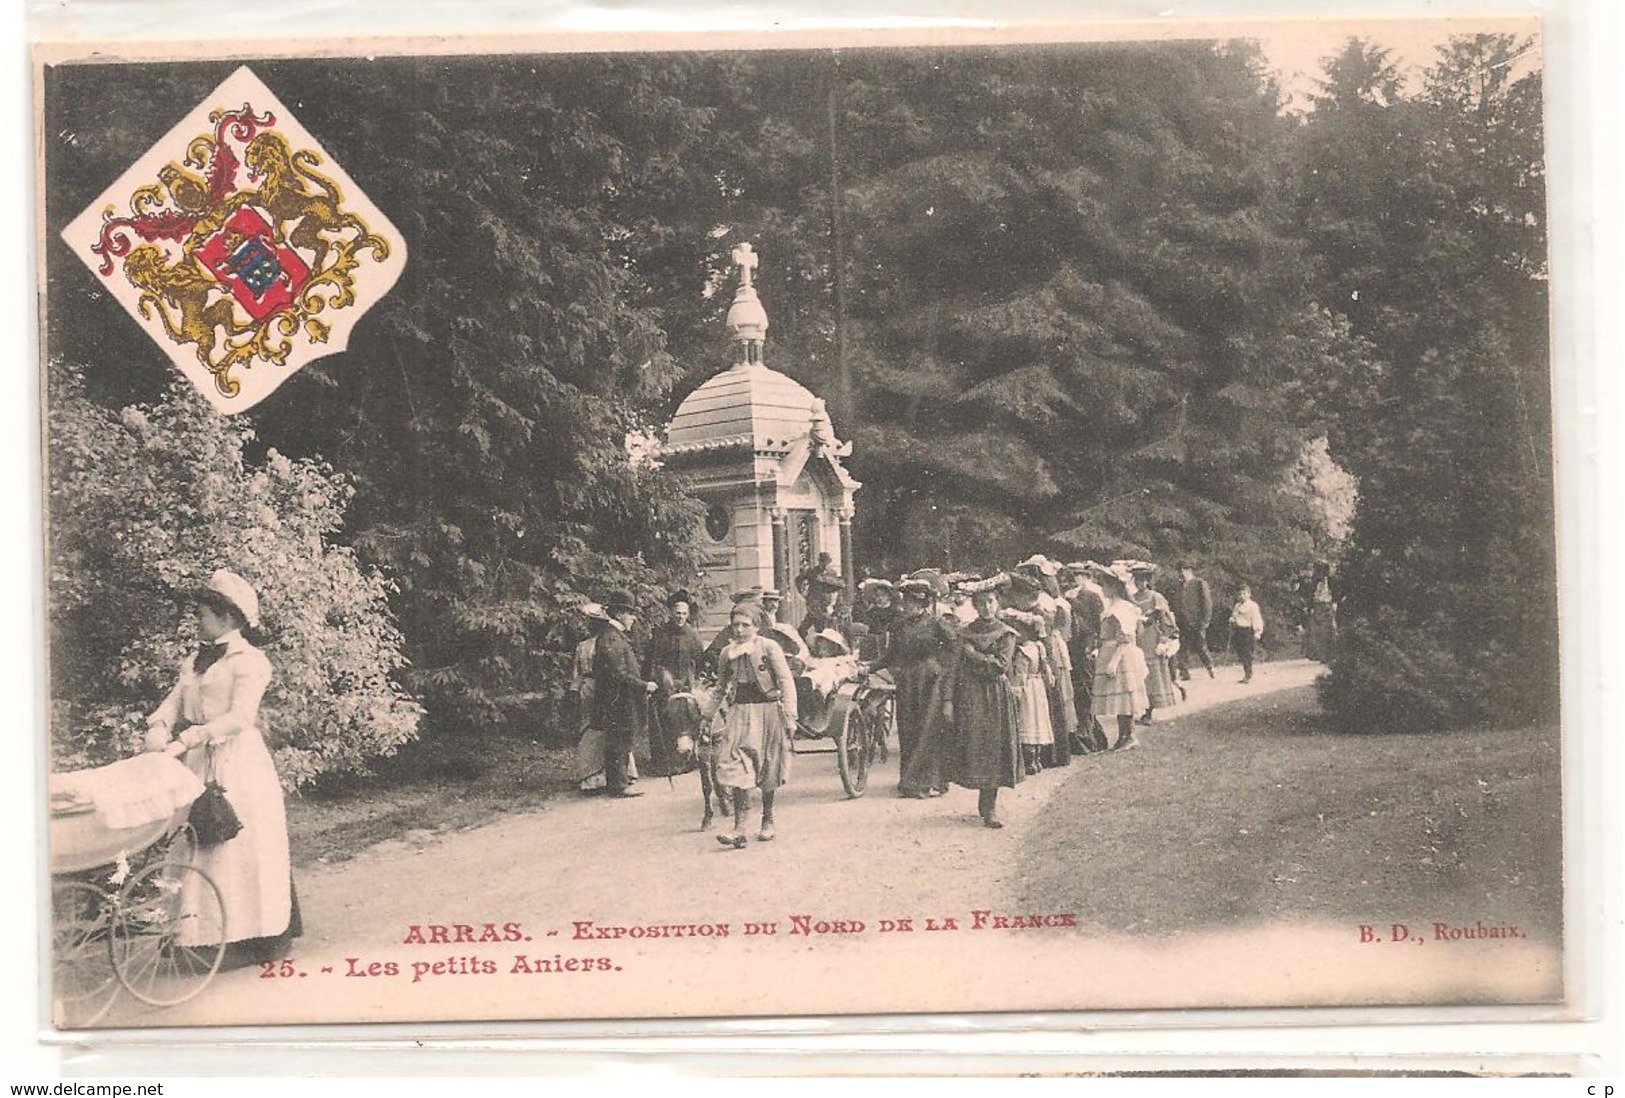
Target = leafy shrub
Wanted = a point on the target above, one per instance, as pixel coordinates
(1391, 677)
(143, 505)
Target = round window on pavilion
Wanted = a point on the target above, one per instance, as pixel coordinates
(719, 521)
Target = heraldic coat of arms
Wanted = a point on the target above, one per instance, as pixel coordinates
(239, 245)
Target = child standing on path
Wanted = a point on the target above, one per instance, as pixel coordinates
(1120, 668)
(1030, 679)
(1246, 626)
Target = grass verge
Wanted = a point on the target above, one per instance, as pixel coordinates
(432, 786)
(1251, 812)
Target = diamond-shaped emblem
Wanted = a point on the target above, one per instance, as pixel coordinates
(240, 247)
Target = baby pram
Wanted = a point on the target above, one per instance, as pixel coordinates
(117, 916)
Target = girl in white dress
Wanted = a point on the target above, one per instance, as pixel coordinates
(1030, 679)
(1120, 667)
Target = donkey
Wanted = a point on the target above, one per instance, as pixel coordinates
(683, 714)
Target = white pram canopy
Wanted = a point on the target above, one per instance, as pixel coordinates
(121, 808)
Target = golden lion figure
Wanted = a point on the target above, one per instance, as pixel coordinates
(285, 196)
(185, 289)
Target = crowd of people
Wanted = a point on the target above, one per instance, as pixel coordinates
(997, 677)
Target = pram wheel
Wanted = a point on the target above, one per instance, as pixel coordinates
(83, 985)
(156, 910)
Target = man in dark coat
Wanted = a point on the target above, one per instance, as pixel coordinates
(675, 656)
(1193, 612)
(621, 692)
(1087, 606)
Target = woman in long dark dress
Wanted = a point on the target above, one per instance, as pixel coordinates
(919, 653)
(984, 754)
(1320, 639)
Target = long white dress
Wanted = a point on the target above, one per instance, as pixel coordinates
(220, 709)
(1034, 726)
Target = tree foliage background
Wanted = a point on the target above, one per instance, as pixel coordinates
(1102, 300)
(1074, 311)
(145, 503)
(1427, 212)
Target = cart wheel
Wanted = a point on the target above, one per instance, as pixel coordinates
(853, 747)
(82, 983)
(149, 920)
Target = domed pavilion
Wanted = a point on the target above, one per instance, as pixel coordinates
(759, 448)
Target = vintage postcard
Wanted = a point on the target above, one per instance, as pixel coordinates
(821, 524)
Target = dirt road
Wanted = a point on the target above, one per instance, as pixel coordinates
(644, 860)
(595, 908)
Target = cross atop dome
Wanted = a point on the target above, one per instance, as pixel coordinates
(745, 258)
(746, 317)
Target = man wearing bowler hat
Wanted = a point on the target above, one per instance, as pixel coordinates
(621, 692)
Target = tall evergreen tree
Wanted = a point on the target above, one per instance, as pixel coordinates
(1071, 304)
(1427, 213)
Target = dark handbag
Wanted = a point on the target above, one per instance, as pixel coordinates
(213, 819)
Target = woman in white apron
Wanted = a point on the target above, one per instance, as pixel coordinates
(210, 720)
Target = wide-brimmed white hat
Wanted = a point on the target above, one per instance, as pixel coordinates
(832, 636)
(993, 583)
(1136, 567)
(595, 611)
(1042, 563)
(1117, 570)
(237, 591)
(918, 588)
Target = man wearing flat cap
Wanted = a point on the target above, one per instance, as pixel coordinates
(621, 692)
(772, 599)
